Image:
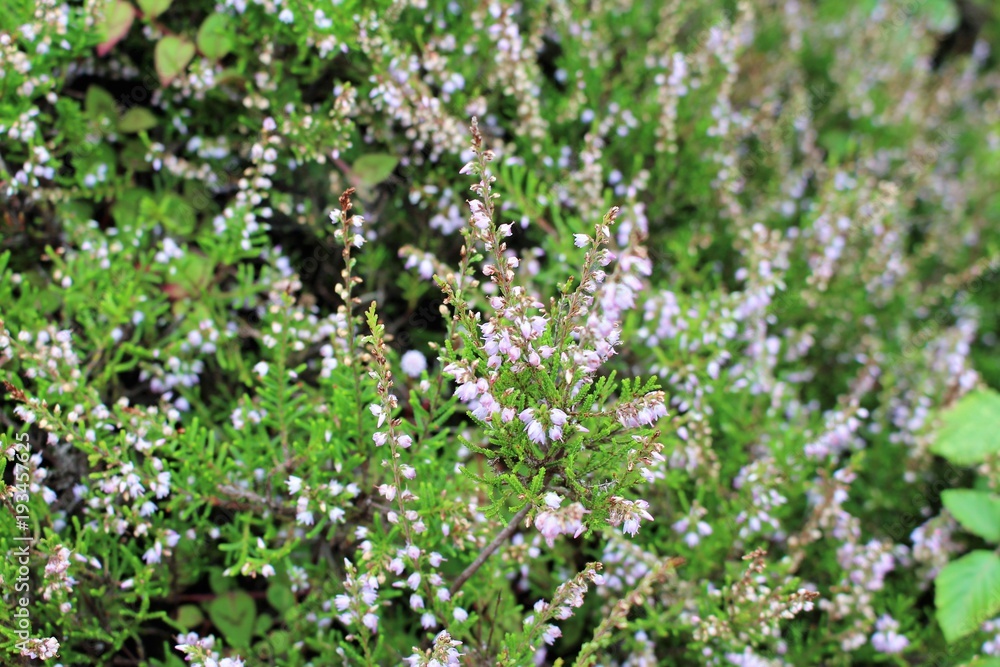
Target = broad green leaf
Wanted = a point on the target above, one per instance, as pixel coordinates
(374, 168)
(137, 119)
(118, 17)
(133, 156)
(194, 274)
(215, 37)
(280, 596)
(942, 15)
(171, 55)
(262, 625)
(98, 103)
(218, 582)
(189, 615)
(279, 642)
(177, 214)
(234, 614)
(967, 593)
(977, 511)
(153, 8)
(970, 430)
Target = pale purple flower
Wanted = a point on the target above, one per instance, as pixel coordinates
(480, 219)
(887, 640)
(413, 363)
(550, 634)
(371, 621)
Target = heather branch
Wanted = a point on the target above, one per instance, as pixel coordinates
(489, 549)
(618, 618)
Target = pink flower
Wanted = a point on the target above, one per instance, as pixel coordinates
(480, 219)
(371, 622)
(536, 432)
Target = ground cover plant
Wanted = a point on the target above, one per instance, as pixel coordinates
(499, 333)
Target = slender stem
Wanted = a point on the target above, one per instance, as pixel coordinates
(489, 549)
(354, 358)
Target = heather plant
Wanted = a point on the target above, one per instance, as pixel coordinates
(446, 333)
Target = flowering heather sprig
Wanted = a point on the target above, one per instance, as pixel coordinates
(568, 596)
(555, 520)
(752, 610)
(617, 618)
(628, 514)
(886, 638)
(199, 652)
(358, 605)
(522, 340)
(644, 411)
(442, 654)
(40, 649)
(396, 491)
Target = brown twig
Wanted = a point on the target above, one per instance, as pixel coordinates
(489, 549)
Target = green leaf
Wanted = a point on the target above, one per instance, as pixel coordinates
(172, 211)
(967, 593)
(137, 119)
(215, 37)
(172, 55)
(189, 616)
(233, 614)
(218, 582)
(279, 642)
(98, 103)
(153, 8)
(977, 511)
(374, 168)
(942, 15)
(971, 429)
(133, 156)
(118, 17)
(263, 624)
(280, 597)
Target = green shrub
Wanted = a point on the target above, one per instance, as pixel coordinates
(598, 333)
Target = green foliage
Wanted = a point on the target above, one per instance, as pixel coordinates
(967, 593)
(308, 423)
(970, 431)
